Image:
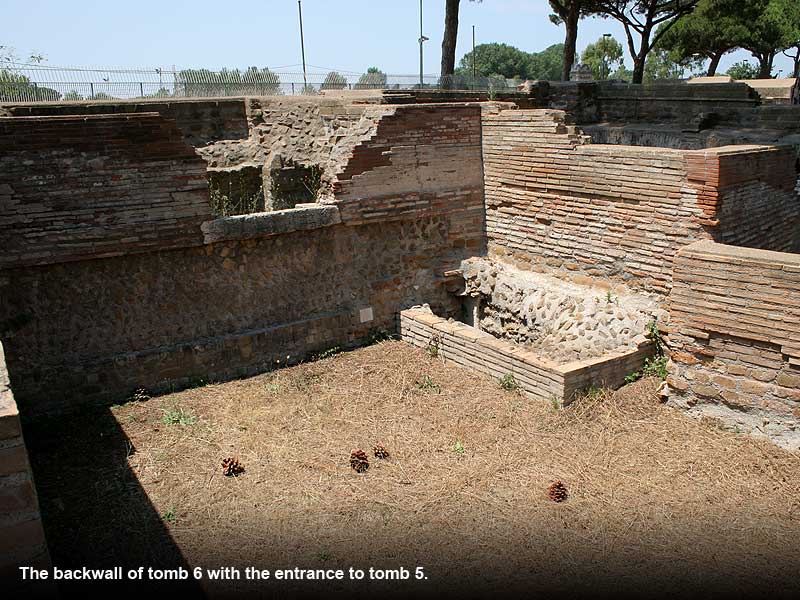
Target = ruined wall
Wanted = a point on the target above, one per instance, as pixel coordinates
(21, 533)
(73, 188)
(756, 204)
(424, 160)
(672, 101)
(734, 337)
(199, 120)
(263, 289)
(555, 202)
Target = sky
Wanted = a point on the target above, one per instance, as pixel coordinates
(344, 35)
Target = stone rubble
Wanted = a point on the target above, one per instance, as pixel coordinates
(561, 320)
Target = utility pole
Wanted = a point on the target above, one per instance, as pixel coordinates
(303, 47)
(422, 39)
(474, 76)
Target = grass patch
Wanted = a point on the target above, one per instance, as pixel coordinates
(509, 383)
(175, 415)
(426, 384)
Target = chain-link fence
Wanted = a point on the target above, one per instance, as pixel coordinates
(42, 83)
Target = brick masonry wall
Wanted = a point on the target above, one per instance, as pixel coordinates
(22, 539)
(422, 160)
(756, 203)
(734, 336)
(199, 120)
(73, 188)
(261, 288)
(556, 202)
(536, 375)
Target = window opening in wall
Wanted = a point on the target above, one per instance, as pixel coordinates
(236, 192)
(293, 184)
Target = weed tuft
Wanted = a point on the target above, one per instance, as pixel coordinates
(427, 384)
(509, 383)
(177, 416)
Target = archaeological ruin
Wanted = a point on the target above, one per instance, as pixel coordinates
(560, 235)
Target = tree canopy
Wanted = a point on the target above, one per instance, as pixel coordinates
(569, 12)
(603, 56)
(374, 78)
(715, 28)
(202, 82)
(334, 81)
(742, 70)
(496, 59)
(776, 29)
(16, 87)
(642, 21)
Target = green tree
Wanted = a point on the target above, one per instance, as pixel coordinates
(623, 73)
(714, 28)
(202, 82)
(641, 20)
(775, 30)
(547, 64)
(72, 95)
(742, 70)
(496, 58)
(659, 65)
(602, 56)
(334, 81)
(17, 87)
(569, 12)
(374, 78)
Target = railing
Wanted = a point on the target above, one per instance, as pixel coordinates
(40, 83)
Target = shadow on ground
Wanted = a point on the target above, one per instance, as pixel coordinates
(95, 512)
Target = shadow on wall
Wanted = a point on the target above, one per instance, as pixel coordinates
(95, 512)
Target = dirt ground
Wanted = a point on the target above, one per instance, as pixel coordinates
(657, 501)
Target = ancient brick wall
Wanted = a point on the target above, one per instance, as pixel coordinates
(422, 160)
(73, 188)
(556, 202)
(244, 294)
(752, 194)
(200, 120)
(21, 534)
(734, 335)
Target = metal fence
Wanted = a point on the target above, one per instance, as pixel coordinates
(41, 83)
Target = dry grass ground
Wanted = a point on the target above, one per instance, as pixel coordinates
(657, 501)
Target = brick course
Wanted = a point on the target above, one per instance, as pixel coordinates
(554, 201)
(735, 337)
(537, 376)
(74, 188)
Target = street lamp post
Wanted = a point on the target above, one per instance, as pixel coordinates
(605, 51)
(421, 40)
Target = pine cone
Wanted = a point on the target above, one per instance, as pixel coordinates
(139, 395)
(359, 461)
(380, 451)
(232, 467)
(557, 492)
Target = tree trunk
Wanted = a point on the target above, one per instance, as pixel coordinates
(712, 68)
(449, 41)
(638, 69)
(765, 66)
(570, 40)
